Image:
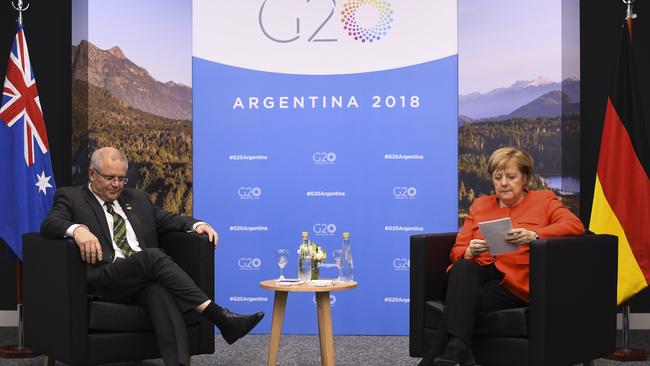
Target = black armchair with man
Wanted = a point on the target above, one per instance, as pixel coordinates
(117, 231)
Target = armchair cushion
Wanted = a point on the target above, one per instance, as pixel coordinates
(112, 317)
(501, 323)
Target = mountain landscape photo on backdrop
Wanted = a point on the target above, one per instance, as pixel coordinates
(540, 116)
(118, 102)
(519, 89)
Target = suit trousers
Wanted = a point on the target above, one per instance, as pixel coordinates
(471, 288)
(153, 280)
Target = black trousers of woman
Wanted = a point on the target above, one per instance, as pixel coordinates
(471, 288)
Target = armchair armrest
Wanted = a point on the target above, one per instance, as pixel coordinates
(195, 255)
(572, 310)
(429, 261)
(55, 297)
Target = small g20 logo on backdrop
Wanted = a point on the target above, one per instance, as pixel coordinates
(362, 20)
(249, 264)
(401, 264)
(322, 158)
(324, 229)
(402, 192)
(249, 193)
(332, 300)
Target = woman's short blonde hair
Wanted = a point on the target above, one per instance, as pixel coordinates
(502, 157)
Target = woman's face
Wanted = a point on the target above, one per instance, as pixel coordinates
(509, 184)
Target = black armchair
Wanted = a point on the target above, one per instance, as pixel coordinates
(571, 317)
(64, 324)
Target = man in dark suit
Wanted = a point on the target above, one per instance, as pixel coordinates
(116, 229)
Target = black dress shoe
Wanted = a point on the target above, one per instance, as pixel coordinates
(234, 326)
(456, 353)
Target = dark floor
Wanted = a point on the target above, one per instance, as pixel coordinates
(300, 350)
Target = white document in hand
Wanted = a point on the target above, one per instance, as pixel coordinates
(494, 233)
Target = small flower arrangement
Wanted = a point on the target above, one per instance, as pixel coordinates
(318, 255)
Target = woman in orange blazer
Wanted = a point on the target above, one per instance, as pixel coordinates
(478, 281)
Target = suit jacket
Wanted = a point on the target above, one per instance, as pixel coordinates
(539, 211)
(78, 205)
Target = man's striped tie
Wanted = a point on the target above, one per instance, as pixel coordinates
(119, 230)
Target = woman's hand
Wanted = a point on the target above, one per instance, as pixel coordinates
(476, 247)
(521, 236)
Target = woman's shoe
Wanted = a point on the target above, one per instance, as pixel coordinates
(455, 353)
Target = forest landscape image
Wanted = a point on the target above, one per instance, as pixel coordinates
(527, 95)
(118, 102)
(548, 128)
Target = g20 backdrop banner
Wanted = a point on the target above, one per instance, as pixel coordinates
(324, 116)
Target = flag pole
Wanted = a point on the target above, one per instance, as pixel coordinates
(629, 16)
(19, 350)
(20, 8)
(626, 353)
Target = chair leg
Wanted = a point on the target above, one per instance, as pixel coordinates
(189, 361)
(48, 361)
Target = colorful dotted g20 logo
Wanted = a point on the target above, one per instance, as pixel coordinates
(360, 30)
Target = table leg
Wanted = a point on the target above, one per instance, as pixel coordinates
(279, 304)
(325, 328)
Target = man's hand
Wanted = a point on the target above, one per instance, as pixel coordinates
(207, 229)
(91, 250)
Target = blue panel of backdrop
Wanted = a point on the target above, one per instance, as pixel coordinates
(370, 153)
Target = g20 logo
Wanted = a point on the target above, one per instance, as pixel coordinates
(332, 300)
(324, 158)
(404, 192)
(249, 264)
(324, 229)
(401, 264)
(367, 20)
(362, 20)
(249, 192)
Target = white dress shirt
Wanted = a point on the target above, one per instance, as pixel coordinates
(130, 233)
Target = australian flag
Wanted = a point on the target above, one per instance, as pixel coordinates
(26, 183)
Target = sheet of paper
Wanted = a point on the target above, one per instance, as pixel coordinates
(494, 233)
(321, 283)
(289, 282)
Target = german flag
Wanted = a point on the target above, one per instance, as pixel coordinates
(621, 203)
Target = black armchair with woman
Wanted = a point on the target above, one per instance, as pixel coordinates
(478, 281)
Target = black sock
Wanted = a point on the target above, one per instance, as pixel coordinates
(214, 313)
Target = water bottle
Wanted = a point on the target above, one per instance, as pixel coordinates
(304, 258)
(347, 266)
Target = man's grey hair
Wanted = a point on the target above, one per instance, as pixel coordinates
(100, 154)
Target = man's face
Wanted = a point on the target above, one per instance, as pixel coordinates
(107, 181)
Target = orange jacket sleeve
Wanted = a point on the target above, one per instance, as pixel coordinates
(462, 239)
(563, 221)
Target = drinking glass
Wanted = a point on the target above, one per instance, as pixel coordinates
(336, 254)
(282, 257)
